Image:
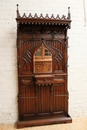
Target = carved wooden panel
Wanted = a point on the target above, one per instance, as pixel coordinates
(55, 47)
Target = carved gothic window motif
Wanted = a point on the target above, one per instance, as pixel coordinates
(42, 60)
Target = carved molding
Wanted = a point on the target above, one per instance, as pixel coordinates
(41, 31)
(58, 54)
(27, 54)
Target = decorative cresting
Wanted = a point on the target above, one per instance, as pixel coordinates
(64, 20)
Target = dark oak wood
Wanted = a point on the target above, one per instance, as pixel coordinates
(42, 59)
(45, 120)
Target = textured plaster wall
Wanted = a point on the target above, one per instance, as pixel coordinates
(77, 71)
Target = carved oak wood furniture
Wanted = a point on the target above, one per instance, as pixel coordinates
(42, 44)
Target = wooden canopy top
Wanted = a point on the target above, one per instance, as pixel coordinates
(41, 20)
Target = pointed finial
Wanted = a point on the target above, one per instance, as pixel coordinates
(69, 16)
(17, 5)
(18, 15)
(17, 8)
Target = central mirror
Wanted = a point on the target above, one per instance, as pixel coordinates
(42, 60)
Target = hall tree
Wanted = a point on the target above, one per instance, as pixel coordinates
(42, 58)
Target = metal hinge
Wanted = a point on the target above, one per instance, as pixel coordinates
(18, 45)
(66, 65)
(19, 66)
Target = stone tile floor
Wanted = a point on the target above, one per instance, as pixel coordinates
(78, 123)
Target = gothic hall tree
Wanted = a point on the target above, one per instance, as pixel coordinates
(42, 59)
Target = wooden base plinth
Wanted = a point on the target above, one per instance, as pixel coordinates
(45, 120)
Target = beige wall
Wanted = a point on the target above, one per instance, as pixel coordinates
(77, 53)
